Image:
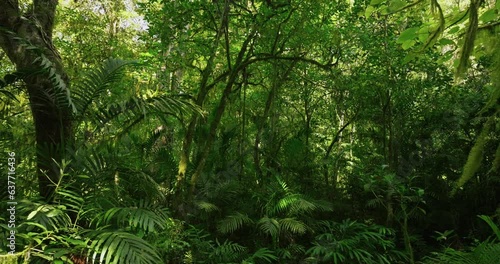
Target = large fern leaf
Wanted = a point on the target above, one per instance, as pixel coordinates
(269, 226)
(121, 247)
(143, 216)
(227, 252)
(262, 255)
(233, 223)
(96, 82)
(293, 225)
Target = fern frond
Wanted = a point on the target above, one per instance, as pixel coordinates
(60, 94)
(96, 82)
(292, 225)
(121, 247)
(269, 226)
(262, 255)
(484, 253)
(227, 252)
(350, 241)
(233, 223)
(70, 199)
(206, 206)
(285, 203)
(132, 111)
(143, 216)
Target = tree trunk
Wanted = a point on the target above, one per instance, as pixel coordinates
(179, 188)
(27, 41)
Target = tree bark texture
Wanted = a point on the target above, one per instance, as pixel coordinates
(26, 38)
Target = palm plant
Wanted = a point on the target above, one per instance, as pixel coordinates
(52, 234)
(486, 252)
(99, 179)
(284, 216)
(354, 242)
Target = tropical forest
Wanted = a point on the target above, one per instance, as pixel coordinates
(250, 131)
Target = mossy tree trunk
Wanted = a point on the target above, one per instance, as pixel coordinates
(26, 38)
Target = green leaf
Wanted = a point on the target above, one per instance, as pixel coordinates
(121, 247)
(376, 2)
(423, 33)
(445, 41)
(60, 252)
(265, 255)
(31, 215)
(369, 11)
(292, 225)
(454, 30)
(396, 5)
(488, 16)
(233, 223)
(384, 10)
(408, 34)
(408, 44)
(494, 227)
(269, 226)
(408, 58)
(7, 93)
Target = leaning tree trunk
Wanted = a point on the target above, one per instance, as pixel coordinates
(27, 41)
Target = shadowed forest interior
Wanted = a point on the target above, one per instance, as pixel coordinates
(249, 131)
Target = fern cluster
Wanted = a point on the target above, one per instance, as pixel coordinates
(354, 242)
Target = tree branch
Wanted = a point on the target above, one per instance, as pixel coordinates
(265, 56)
(337, 136)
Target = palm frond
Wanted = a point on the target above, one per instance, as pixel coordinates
(351, 241)
(262, 255)
(296, 204)
(494, 227)
(233, 222)
(484, 253)
(133, 110)
(227, 252)
(59, 96)
(96, 82)
(143, 216)
(292, 225)
(71, 199)
(206, 206)
(121, 247)
(269, 226)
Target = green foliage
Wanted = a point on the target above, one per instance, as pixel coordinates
(485, 252)
(293, 226)
(493, 226)
(143, 216)
(269, 226)
(121, 247)
(233, 222)
(261, 255)
(475, 156)
(354, 242)
(94, 93)
(227, 252)
(97, 82)
(319, 111)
